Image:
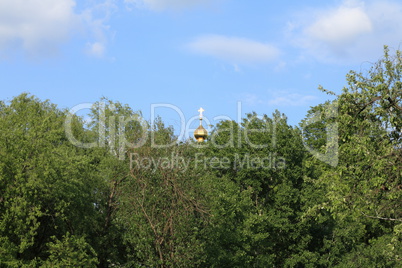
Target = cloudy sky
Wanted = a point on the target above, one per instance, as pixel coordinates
(169, 57)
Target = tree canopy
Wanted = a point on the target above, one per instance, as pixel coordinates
(121, 192)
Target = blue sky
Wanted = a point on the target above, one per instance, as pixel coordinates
(221, 54)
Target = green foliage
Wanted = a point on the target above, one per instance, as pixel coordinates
(162, 209)
(364, 189)
(37, 201)
(48, 186)
(258, 193)
(368, 177)
(70, 252)
(255, 201)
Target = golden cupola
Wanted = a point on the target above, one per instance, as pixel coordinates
(200, 134)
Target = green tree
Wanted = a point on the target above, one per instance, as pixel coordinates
(71, 251)
(256, 199)
(114, 128)
(46, 183)
(363, 191)
(160, 205)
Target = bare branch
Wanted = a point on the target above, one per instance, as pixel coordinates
(381, 218)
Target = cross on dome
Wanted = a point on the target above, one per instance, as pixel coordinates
(201, 110)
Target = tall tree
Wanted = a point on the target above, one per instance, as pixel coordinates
(46, 183)
(255, 201)
(364, 190)
(160, 205)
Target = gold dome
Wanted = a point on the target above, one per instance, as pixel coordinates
(200, 134)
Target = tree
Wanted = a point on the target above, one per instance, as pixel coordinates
(255, 199)
(364, 190)
(46, 184)
(71, 251)
(258, 193)
(160, 205)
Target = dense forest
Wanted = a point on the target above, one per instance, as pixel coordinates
(114, 191)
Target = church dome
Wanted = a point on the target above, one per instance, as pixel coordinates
(200, 134)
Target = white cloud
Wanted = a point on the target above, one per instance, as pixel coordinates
(166, 4)
(35, 25)
(291, 99)
(252, 99)
(279, 99)
(234, 49)
(340, 26)
(40, 27)
(354, 31)
(96, 49)
(94, 22)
